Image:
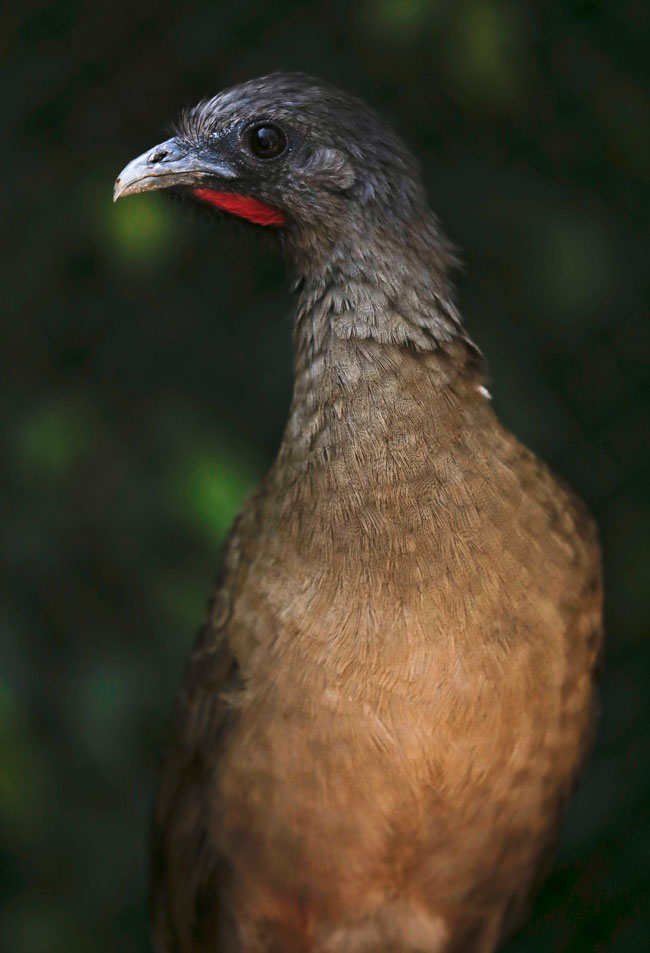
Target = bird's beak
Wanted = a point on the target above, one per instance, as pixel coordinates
(171, 163)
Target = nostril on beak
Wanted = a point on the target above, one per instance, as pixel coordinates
(158, 155)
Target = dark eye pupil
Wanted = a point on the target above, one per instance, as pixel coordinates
(266, 142)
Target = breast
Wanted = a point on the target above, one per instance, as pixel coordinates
(419, 687)
(333, 799)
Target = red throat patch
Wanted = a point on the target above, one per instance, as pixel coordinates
(242, 205)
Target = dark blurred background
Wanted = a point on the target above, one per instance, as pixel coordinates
(146, 376)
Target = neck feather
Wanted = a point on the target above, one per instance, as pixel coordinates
(377, 340)
(376, 283)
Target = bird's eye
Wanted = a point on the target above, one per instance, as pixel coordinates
(266, 141)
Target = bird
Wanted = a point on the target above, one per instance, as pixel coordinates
(393, 692)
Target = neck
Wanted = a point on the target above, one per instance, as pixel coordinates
(376, 282)
(377, 340)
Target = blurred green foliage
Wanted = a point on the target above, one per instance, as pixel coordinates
(138, 232)
(146, 377)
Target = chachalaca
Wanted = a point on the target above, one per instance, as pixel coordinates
(392, 695)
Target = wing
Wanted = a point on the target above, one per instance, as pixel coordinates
(189, 878)
(585, 634)
(186, 870)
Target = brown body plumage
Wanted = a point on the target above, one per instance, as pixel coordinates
(389, 702)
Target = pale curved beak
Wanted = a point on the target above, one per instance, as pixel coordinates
(168, 164)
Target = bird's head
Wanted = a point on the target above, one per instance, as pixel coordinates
(289, 152)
